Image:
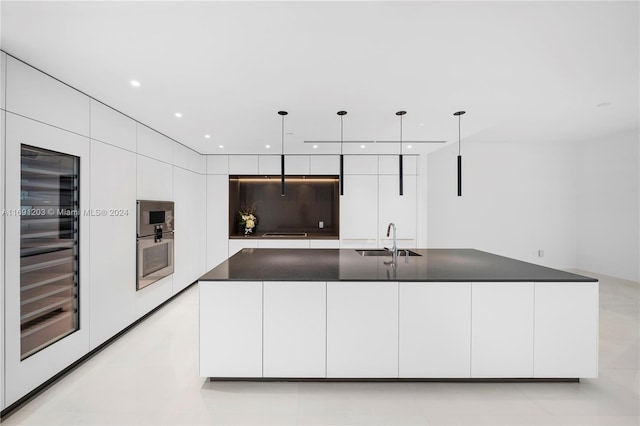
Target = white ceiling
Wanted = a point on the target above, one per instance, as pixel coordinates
(523, 71)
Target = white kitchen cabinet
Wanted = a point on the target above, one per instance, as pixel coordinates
(185, 157)
(188, 232)
(390, 165)
(243, 164)
(217, 165)
(269, 165)
(502, 334)
(154, 145)
(566, 330)
(359, 208)
(362, 329)
(113, 244)
(154, 179)
(238, 244)
(3, 81)
(3, 65)
(299, 243)
(35, 95)
(360, 165)
(324, 244)
(435, 330)
(112, 127)
(324, 164)
(217, 217)
(402, 210)
(296, 165)
(231, 329)
(294, 329)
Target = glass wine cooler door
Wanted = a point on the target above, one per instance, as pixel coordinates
(48, 248)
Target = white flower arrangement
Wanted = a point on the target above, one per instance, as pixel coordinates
(248, 218)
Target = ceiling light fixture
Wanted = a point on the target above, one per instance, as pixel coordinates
(179, 115)
(400, 171)
(207, 136)
(220, 146)
(341, 114)
(459, 114)
(135, 83)
(282, 114)
(315, 147)
(267, 146)
(362, 146)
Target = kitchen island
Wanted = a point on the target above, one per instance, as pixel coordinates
(329, 314)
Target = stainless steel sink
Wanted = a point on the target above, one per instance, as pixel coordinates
(383, 252)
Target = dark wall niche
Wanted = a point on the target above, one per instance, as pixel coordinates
(307, 201)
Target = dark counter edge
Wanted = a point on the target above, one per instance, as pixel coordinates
(395, 380)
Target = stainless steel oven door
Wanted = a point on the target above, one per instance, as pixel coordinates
(153, 215)
(155, 259)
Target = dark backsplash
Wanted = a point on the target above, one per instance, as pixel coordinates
(307, 202)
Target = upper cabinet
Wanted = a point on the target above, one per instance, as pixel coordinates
(3, 74)
(296, 165)
(360, 164)
(390, 164)
(217, 164)
(112, 127)
(324, 164)
(186, 158)
(154, 145)
(269, 165)
(35, 95)
(243, 164)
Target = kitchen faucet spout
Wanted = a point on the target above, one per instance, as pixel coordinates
(394, 248)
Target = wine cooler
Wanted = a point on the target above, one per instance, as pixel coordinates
(49, 231)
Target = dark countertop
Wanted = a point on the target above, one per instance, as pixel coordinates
(252, 264)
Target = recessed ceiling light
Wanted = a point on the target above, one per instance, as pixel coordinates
(135, 83)
(315, 147)
(220, 146)
(179, 115)
(207, 136)
(267, 146)
(361, 146)
(603, 104)
(409, 146)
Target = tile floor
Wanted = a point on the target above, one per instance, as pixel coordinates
(150, 376)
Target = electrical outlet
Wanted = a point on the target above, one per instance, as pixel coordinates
(540, 253)
(321, 224)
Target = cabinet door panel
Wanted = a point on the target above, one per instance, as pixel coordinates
(108, 125)
(435, 330)
(294, 329)
(243, 164)
(399, 209)
(359, 207)
(502, 329)
(34, 94)
(566, 330)
(362, 329)
(231, 329)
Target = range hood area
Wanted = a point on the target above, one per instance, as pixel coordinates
(311, 206)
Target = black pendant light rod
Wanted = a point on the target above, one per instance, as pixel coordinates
(341, 114)
(400, 162)
(282, 114)
(459, 114)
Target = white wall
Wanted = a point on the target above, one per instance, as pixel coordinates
(579, 202)
(517, 198)
(608, 192)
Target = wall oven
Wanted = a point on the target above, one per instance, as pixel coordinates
(155, 241)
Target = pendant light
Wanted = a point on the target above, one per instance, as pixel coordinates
(459, 114)
(341, 114)
(282, 114)
(400, 171)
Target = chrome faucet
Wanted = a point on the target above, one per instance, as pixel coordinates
(394, 249)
